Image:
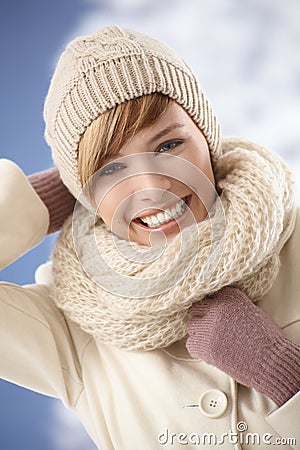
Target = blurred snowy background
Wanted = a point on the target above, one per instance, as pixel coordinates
(247, 57)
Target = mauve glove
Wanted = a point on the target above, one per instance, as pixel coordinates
(228, 331)
(55, 195)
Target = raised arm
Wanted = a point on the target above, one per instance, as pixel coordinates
(231, 333)
(24, 219)
(37, 347)
(58, 200)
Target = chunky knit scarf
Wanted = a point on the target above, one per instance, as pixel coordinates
(137, 297)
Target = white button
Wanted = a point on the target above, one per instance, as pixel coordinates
(213, 403)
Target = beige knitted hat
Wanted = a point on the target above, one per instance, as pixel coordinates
(98, 72)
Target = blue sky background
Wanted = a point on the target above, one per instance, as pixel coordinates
(32, 32)
(247, 57)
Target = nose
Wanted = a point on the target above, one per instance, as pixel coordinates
(150, 187)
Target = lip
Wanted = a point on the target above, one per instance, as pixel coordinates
(166, 227)
(153, 211)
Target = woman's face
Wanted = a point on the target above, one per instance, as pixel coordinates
(162, 180)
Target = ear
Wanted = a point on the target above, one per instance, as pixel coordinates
(59, 201)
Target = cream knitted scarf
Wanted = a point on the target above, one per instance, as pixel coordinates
(138, 297)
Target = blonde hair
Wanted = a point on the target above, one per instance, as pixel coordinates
(109, 131)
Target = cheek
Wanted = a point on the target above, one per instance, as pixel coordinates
(200, 159)
(105, 211)
(203, 162)
(112, 204)
(208, 170)
(107, 207)
(203, 186)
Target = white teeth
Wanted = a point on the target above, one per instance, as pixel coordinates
(155, 221)
(166, 216)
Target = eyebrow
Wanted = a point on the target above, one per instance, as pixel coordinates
(165, 131)
(155, 138)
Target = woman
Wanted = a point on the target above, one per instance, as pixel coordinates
(154, 322)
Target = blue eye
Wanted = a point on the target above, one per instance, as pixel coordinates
(168, 146)
(111, 169)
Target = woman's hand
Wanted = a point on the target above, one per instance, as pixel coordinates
(228, 331)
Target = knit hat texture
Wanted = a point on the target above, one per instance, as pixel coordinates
(95, 73)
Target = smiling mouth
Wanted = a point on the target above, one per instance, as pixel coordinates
(166, 216)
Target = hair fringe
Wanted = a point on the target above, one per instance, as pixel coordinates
(106, 135)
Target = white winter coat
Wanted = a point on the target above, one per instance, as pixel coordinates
(132, 400)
